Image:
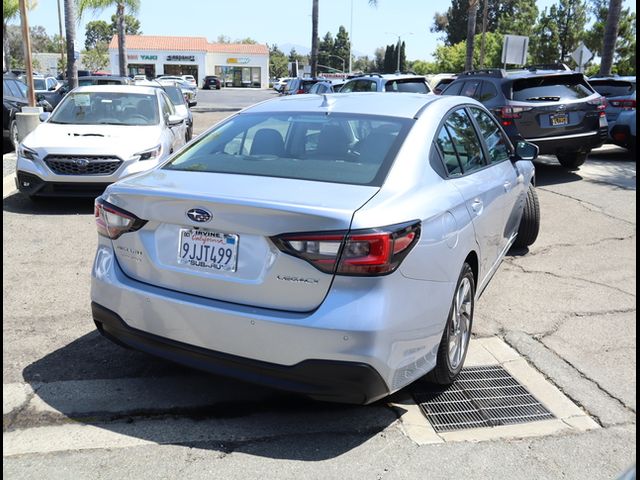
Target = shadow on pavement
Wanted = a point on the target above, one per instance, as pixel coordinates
(550, 172)
(251, 419)
(22, 204)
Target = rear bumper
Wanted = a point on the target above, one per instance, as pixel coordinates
(621, 135)
(326, 380)
(579, 142)
(382, 336)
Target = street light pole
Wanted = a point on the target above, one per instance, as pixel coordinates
(350, 38)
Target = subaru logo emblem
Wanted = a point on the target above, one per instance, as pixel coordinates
(199, 215)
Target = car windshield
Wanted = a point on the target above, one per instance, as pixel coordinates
(39, 84)
(339, 148)
(613, 88)
(107, 108)
(175, 94)
(412, 86)
(551, 88)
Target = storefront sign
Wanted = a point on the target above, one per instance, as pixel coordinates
(132, 57)
(149, 57)
(241, 60)
(179, 58)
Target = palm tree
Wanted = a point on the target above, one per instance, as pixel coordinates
(10, 10)
(485, 14)
(70, 27)
(314, 35)
(99, 5)
(471, 32)
(610, 36)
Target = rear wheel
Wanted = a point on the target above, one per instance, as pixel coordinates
(457, 332)
(530, 222)
(572, 160)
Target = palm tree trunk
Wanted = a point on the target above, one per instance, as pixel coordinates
(610, 36)
(314, 39)
(70, 27)
(471, 31)
(485, 15)
(122, 48)
(5, 47)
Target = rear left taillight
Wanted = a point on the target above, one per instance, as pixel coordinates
(371, 252)
(508, 113)
(623, 104)
(300, 91)
(112, 221)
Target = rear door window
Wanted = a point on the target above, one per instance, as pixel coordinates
(453, 88)
(489, 92)
(551, 88)
(470, 88)
(448, 151)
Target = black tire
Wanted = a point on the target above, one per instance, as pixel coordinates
(189, 134)
(530, 222)
(445, 372)
(13, 135)
(572, 160)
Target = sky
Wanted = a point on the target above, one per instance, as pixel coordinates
(282, 23)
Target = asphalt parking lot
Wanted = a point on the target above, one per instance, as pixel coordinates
(77, 406)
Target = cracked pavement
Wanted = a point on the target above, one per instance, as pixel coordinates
(77, 406)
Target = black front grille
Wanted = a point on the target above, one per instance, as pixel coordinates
(82, 164)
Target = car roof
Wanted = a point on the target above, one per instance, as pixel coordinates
(406, 105)
(136, 89)
(102, 77)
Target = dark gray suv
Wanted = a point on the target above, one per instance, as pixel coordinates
(557, 110)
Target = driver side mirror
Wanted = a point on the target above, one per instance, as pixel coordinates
(174, 120)
(525, 151)
(44, 116)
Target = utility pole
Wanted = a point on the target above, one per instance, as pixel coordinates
(27, 52)
(61, 35)
(350, 37)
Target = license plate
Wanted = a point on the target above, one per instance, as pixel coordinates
(208, 250)
(602, 122)
(561, 119)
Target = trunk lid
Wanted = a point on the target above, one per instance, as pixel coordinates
(252, 208)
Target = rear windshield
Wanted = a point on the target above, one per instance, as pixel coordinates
(337, 148)
(408, 85)
(613, 88)
(551, 88)
(175, 94)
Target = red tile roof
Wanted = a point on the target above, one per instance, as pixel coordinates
(157, 42)
(191, 44)
(246, 48)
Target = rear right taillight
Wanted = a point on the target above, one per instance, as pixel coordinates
(299, 91)
(112, 221)
(371, 252)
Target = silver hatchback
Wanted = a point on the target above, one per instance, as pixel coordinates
(330, 245)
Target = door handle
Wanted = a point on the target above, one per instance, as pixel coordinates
(476, 206)
(507, 186)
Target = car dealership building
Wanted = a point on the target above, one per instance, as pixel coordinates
(237, 65)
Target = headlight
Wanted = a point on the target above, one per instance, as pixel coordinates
(150, 154)
(27, 153)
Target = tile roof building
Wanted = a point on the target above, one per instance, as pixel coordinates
(237, 65)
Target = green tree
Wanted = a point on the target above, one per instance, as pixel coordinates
(98, 6)
(515, 17)
(341, 48)
(132, 25)
(278, 65)
(364, 64)
(97, 32)
(423, 68)
(11, 11)
(451, 58)
(472, 15)
(624, 54)
(559, 31)
(325, 49)
(96, 58)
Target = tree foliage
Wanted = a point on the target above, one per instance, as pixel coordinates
(559, 31)
(451, 59)
(96, 32)
(278, 62)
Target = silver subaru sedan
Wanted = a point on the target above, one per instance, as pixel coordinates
(330, 245)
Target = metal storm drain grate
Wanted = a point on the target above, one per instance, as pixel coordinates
(480, 397)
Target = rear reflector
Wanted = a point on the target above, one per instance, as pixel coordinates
(371, 252)
(112, 221)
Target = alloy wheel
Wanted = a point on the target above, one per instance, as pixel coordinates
(460, 323)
